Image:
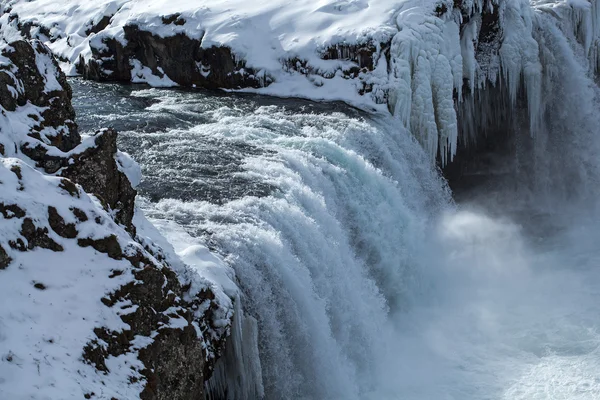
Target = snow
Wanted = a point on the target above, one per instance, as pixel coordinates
(130, 168)
(46, 67)
(43, 330)
(429, 54)
(179, 245)
(260, 33)
(143, 74)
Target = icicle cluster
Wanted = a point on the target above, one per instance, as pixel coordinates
(432, 58)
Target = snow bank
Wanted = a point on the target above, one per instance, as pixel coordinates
(52, 300)
(90, 307)
(414, 57)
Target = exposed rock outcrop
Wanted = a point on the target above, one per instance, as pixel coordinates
(33, 76)
(181, 58)
(96, 170)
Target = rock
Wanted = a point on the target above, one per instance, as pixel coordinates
(11, 211)
(37, 237)
(182, 58)
(5, 260)
(363, 55)
(96, 171)
(59, 112)
(58, 224)
(174, 367)
(99, 26)
(108, 245)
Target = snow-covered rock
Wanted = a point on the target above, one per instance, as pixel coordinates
(417, 59)
(91, 306)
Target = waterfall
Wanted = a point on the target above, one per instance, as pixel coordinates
(311, 259)
(358, 276)
(332, 263)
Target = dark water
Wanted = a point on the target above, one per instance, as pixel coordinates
(153, 122)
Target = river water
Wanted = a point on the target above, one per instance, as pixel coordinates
(366, 279)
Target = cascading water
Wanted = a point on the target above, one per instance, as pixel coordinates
(307, 252)
(359, 277)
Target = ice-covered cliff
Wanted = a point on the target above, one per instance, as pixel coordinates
(425, 62)
(91, 306)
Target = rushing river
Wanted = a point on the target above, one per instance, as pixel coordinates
(366, 280)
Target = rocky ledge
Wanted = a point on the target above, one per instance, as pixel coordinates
(92, 308)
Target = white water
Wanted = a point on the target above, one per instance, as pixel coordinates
(366, 281)
(367, 286)
(310, 258)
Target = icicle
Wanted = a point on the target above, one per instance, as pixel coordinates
(238, 373)
(427, 68)
(401, 91)
(467, 49)
(422, 119)
(445, 115)
(429, 58)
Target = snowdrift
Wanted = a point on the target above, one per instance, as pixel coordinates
(419, 60)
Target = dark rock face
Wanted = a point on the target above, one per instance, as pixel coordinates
(98, 27)
(362, 55)
(96, 171)
(174, 366)
(182, 58)
(36, 237)
(94, 168)
(5, 260)
(188, 64)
